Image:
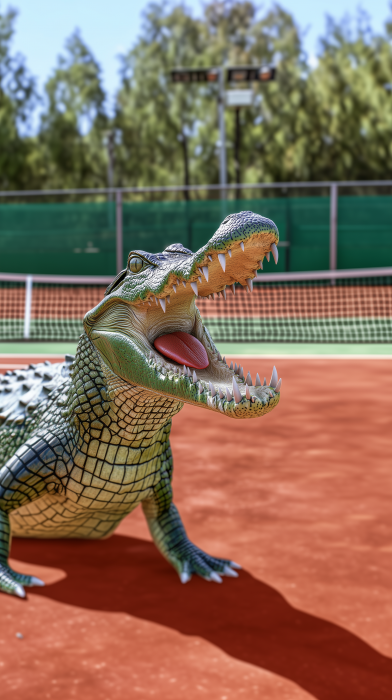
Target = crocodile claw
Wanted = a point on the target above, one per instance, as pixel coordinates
(36, 581)
(19, 591)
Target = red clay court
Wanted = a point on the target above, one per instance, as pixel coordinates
(301, 498)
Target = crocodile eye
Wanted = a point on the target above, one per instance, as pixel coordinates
(136, 264)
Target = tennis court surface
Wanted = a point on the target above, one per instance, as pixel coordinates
(301, 498)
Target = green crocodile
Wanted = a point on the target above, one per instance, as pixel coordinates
(83, 442)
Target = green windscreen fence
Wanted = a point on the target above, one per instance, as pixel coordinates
(80, 238)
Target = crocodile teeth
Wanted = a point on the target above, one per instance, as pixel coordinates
(279, 384)
(209, 258)
(236, 368)
(257, 382)
(200, 279)
(174, 289)
(168, 299)
(222, 260)
(201, 388)
(219, 355)
(236, 392)
(265, 382)
(247, 392)
(233, 288)
(249, 282)
(260, 264)
(194, 287)
(194, 377)
(224, 360)
(231, 366)
(221, 394)
(205, 272)
(267, 255)
(241, 373)
(249, 379)
(212, 389)
(156, 301)
(228, 395)
(275, 253)
(274, 378)
(184, 283)
(223, 293)
(242, 246)
(213, 295)
(229, 251)
(163, 304)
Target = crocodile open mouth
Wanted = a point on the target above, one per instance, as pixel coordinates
(180, 345)
(160, 325)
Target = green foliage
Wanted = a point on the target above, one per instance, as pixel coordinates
(328, 121)
(17, 100)
(74, 122)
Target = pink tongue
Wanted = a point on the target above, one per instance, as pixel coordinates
(183, 348)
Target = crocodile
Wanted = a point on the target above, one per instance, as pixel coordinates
(84, 441)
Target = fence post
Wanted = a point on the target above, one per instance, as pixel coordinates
(27, 313)
(119, 232)
(333, 227)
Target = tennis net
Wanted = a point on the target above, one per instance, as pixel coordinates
(345, 306)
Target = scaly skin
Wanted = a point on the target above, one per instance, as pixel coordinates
(83, 442)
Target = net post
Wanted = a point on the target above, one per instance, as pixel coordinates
(27, 314)
(119, 232)
(333, 227)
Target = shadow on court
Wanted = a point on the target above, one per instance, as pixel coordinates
(247, 619)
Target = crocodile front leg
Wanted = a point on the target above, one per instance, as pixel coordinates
(169, 534)
(27, 476)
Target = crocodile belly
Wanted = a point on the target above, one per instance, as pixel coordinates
(56, 517)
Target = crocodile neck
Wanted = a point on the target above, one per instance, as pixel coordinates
(104, 407)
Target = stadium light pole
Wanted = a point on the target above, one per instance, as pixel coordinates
(222, 135)
(244, 98)
(210, 75)
(217, 75)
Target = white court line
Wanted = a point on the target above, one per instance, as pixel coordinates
(31, 354)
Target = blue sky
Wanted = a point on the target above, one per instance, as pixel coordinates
(110, 28)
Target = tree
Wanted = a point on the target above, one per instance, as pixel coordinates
(17, 100)
(157, 120)
(74, 123)
(326, 122)
(351, 103)
(171, 129)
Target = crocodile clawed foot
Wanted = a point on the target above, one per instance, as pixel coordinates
(195, 561)
(13, 583)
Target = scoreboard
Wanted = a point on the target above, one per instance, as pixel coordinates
(195, 75)
(235, 74)
(247, 74)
